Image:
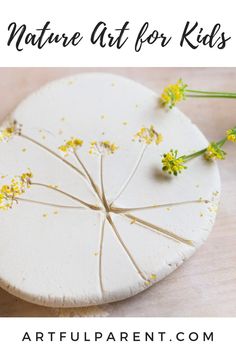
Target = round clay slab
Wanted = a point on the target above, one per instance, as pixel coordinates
(66, 257)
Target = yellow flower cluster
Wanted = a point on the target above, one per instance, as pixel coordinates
(172, 163)
(173, 94)
(214, 152)
(231, 135)
(93, 147)
(71, 146)
(17, 186)
(7, 133)
(148, 136)
(102, 147)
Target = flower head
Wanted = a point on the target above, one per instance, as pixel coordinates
(173, 94)
(148, 136)
(17, 186)
(231, 135)
(7, 133)
(26, 178)
(214, 152)
(172, 163)
(71, 146)
(4, 202)
(102, 147)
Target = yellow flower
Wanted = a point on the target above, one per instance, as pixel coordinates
(148, 136)
(63, 148)
(7, 133)
(173, 94)
(71, 145)
(231, 135)
(93, 147)
(102, 147)
(173, 164)
(26, 178)
(109, 147)
(17, 186)
(214, 152)
(4, 204)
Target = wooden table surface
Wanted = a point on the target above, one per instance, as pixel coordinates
(206, 284)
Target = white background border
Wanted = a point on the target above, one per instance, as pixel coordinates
(70, 16)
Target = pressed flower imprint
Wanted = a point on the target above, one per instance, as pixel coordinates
(14, 193)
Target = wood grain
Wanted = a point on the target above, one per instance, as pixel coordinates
(206, 284)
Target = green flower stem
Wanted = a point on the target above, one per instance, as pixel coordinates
(186, 158)
(192, 156)
(222, 142)
(209, 94)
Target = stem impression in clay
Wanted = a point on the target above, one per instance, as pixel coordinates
(13, 191)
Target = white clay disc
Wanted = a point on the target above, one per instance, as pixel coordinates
(54, 256)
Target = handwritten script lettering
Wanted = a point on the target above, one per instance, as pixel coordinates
(106, 36)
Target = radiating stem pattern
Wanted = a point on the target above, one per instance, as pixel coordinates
(32, 201)
(157, 206)
(100, 254)
(125, 185)
(142, 275)
(160, 230)
(102, 184)
(106, 209)
(51, 152)
(86, 172)
(91, 206)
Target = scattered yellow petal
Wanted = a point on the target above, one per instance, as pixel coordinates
(213, 209)
(55, 186)
(133, 221)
